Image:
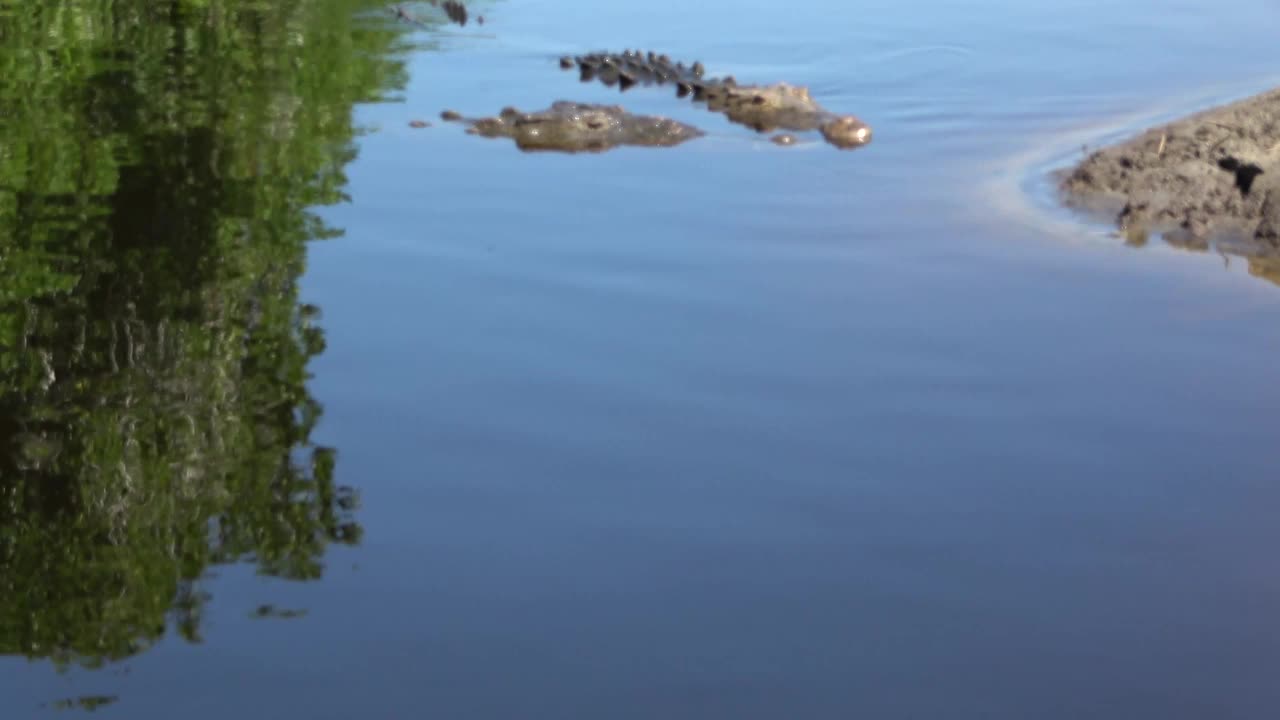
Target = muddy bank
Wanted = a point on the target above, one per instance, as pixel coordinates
(1212, 177)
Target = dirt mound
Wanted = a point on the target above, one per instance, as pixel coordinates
(1213, 175)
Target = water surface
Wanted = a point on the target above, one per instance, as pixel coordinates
(720, 431)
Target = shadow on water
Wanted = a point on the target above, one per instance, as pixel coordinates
(1261, 261)
(1261, 258)
(157, 166)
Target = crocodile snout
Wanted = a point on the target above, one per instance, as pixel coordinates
(847, 131)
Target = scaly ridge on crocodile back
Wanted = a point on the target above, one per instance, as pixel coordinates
(764, 108)
(578, 127)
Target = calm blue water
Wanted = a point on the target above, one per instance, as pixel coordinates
(738, 431)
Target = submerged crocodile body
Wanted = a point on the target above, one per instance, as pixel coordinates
(764, 108)
(578, 127)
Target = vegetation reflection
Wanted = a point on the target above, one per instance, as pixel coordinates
(157, 163)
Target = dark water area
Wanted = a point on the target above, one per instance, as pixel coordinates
(307, 413)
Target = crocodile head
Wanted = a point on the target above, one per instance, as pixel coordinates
(846, 132)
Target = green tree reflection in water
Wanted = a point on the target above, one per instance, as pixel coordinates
(157, 163)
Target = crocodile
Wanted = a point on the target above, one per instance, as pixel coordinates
(764, 108)
(577, 127)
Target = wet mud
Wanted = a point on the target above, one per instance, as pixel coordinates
(1211, 179)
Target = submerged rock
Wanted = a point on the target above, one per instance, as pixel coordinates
(577, 127)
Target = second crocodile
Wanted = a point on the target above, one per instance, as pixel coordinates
(578, 127)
